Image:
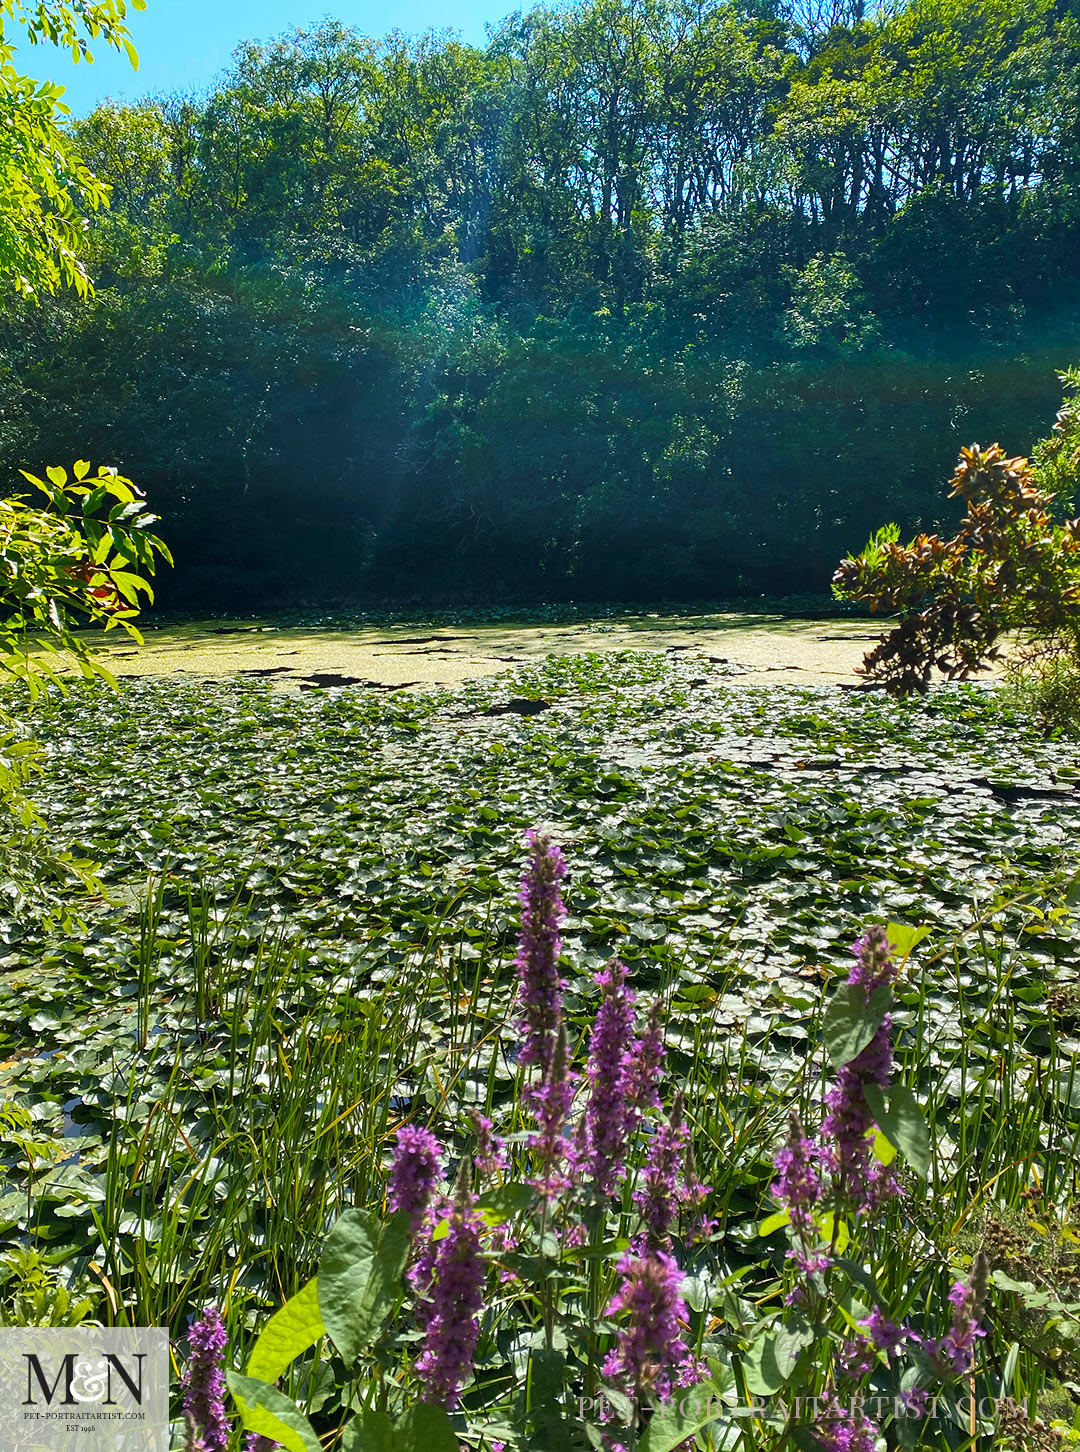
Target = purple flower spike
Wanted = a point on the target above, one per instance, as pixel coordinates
(204, 1380)
(609, 1114)
(551, 1102)
(646, 1062)
(539, 985)
(414, 1173)
(843, 1429)
(956, 1350)
(798, 1184)
(849, 1119)
(490, 1155)
(650, 1354)
(659, 1196)
(450, 1318)
(256, 1442)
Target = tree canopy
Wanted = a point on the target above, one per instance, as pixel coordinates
(643, 297)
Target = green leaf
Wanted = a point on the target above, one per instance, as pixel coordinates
(360, 1277)
(850, 1022)
(506, 1201)
(903, 939)
(287, 1335)
(791, 1340)
(774, 1222)
(884, 1150)
(425, 1428)
(903, 1124)
(368, 1431)
(270, 1412)
(764, 1376)
(677, 1420)
(834, 1231)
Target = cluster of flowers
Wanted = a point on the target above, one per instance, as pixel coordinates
(838, 1172)
(586, 1153)
(206, 1424)
(585, 1129)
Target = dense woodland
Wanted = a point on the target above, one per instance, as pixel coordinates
(644, 298)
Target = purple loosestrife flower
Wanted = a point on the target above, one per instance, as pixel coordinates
(659, 1195)
(646, 1062)
(849, 1119)
(699, 1224)
(450, 1318)
(855, 1357)
(798, 1184)
(256, 1442)
(551, 1102)
(955, 1352)
(650, 1354)
(414, 1173)
(192, 1441)
(886, 1335)
(204, 1380)
(844, 1429)
(539, 984)
(490, 1155)
(609, 1112)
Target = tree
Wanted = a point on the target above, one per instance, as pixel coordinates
(46, 191)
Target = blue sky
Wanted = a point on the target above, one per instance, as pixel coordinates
(184, 44)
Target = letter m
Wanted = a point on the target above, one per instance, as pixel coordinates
(33, 1368)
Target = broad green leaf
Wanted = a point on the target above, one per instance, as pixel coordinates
(424, 1428)
(287, 1335)
(270, 1412)
(369, 1431)
(774, 1222)
(884, 1150)
(360, 1277)
(678, 1419)
(835, 1232)
(903, 1124)
(764, 1376)
(506, 1201)
(903, 939)
(790, 1341)
(850, 1022)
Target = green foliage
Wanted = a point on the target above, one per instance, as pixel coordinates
(639, 299)
(1009, 566)
(80, 561)
(1044, 685)
(46, 189)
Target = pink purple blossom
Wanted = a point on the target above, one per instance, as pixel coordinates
(540, 986)
(646, 1063)
(650, 1354)
(798, 1184)
(414, 1173)
(659, 1195)
(846, 1148)
(490, 1154)
(204, 1380)
(454, 1300)
(551, 1102)
(844, 1429)
(609, 1112)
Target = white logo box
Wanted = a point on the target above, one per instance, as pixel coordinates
(84, 1389)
